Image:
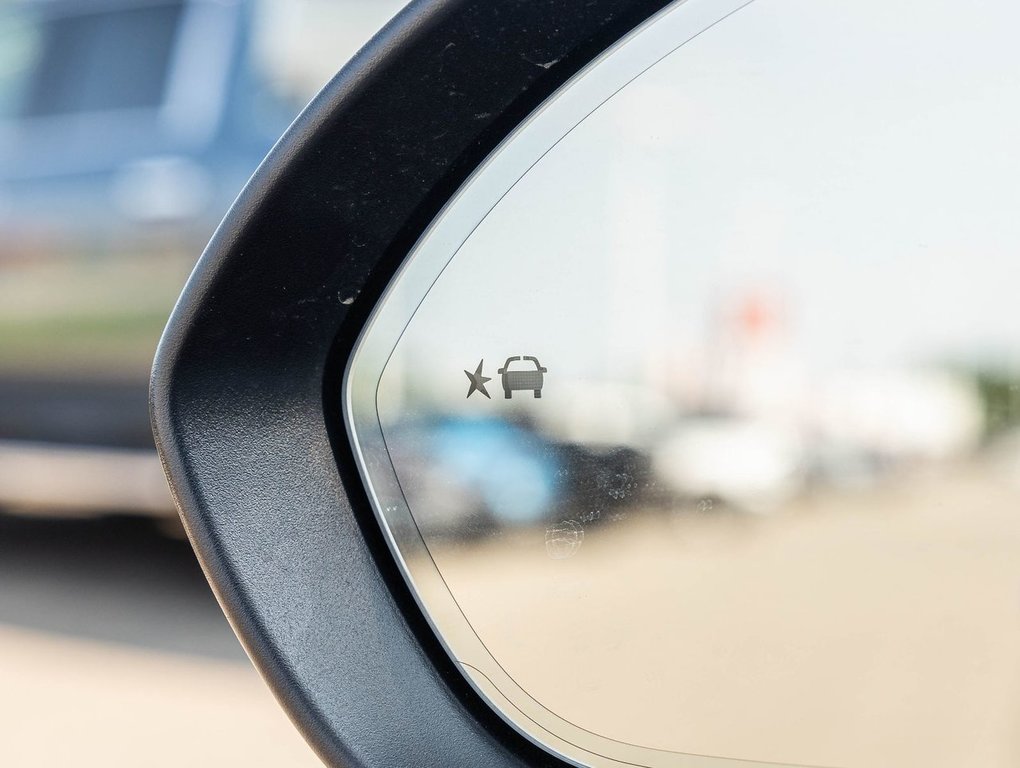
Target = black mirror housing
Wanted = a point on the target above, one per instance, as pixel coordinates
(244, 382)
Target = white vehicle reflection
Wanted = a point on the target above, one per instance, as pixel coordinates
(742, 462)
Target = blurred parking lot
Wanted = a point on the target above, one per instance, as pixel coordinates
(875, 627)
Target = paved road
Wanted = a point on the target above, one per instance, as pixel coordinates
(873, 627)
(114, 653)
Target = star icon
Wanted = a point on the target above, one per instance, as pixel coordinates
(477, 380)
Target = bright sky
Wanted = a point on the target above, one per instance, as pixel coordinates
(857, 161)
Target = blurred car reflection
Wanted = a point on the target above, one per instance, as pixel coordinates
(489, 474)
(744, 463)
(126, 129)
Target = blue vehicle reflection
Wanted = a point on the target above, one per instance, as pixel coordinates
(467, 476)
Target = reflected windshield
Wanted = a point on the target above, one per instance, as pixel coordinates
(84, 60)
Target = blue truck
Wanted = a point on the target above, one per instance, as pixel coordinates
(127, 127)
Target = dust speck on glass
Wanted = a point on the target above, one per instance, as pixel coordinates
(724, 463)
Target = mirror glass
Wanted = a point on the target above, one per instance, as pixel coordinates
(694, 420)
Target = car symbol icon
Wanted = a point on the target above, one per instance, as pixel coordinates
(524, 379)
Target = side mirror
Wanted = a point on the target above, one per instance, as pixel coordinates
(618, 383)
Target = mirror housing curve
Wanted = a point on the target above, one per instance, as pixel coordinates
(259, 464)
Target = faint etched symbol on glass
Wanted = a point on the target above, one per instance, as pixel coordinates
(705, 505)
(526, 378)
(563, 539)
(478, 380)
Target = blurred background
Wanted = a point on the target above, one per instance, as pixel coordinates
(797, 451)
(127, 127)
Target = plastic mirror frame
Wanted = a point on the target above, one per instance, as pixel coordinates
(245, 382)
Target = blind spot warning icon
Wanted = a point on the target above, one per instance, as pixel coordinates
(478, 380)
(530, 375)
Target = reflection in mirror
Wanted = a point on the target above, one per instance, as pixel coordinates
(694, 420)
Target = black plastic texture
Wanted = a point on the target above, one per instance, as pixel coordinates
(246, 386)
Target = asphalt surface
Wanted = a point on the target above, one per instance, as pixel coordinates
(113, 652)
(876, 627)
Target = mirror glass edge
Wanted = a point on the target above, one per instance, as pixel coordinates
(617, 66)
